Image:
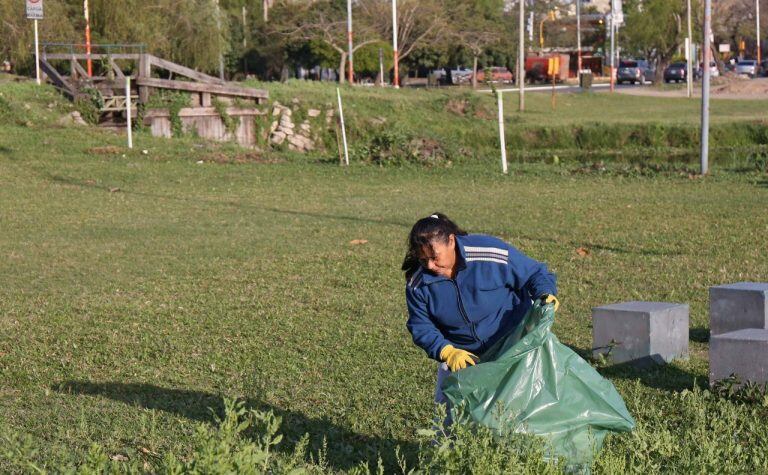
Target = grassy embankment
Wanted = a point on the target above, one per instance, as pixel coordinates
(137, 291)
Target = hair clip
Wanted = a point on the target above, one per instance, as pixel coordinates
(435, 216)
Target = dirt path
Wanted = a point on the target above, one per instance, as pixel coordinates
(729, 87)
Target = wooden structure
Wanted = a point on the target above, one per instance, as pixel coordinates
(108, 85)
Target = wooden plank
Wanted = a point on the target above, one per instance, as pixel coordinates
(204, 112)
(205, 99)
(145, 68)
(80, 70)
(83, 56)
(118, 72)
(57, 79)
(185, 71)
(227, 90)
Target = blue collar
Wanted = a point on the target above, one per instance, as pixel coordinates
(428, 277)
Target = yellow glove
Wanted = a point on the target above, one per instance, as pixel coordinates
(547, 299)
(457, 359)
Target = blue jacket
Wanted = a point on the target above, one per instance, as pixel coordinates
(491, 293)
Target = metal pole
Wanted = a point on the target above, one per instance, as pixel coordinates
(128, 110)
(245, 44)
(351, 74)
(689, 55)
(87, 38)
(705, 89)
(343, 129)
(381, 68)
(613, 51)
(221, 54)
(502, 142)
(395, 54)
(759, 56)
(521, 58)
(578, 35)
(37, 56)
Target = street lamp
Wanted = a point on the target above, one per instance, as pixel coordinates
(551, 17)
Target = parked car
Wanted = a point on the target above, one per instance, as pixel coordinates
(748, 67)
(713, 70)
(461, 75)
(677, 72)
(636, 70)
(498, 74)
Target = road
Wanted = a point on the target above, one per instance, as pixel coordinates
(600, 87)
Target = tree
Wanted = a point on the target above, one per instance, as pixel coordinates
(476, 25)
(656, 29)
(419, 23)
(326, 21)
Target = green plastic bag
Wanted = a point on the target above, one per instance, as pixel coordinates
(529, 382)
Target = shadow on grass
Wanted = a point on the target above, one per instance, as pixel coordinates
(234, 204)
(699, 335)
(652, 375)
(345, 448)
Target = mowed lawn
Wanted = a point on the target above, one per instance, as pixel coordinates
(137, 291)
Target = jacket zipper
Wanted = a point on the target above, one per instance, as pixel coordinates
(463, 312)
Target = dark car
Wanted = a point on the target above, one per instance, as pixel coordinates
(676, 72)
(634, 71)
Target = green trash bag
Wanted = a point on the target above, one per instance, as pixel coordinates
(531, 383)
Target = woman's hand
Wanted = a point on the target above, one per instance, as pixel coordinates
(547, 299)
(456, 358)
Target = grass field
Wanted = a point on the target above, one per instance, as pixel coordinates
(138, 291)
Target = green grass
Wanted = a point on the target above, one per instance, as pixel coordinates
(137, 292)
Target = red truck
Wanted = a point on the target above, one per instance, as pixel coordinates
(536, 68)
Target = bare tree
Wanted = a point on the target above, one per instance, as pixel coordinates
(418, 21)
(322, 21)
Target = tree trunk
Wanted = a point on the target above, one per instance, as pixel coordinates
(342, 63)
(474, 72)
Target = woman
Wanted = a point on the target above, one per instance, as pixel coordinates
(466, 291)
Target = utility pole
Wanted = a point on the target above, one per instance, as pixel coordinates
(218, 27)
(757, 8)
(245, 44)
(613, 54)
(521, 58)
(689, 55)
(578, 36)
(351, 74)
(395, 56)
(87, 37)
(705, 89)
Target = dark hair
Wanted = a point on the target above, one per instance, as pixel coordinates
(435, 227)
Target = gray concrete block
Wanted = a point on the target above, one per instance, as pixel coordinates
(742, 352)
(641, 332)
(738, 306)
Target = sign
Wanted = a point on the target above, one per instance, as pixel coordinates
(724, 47)
(617, 12)
(35, 9)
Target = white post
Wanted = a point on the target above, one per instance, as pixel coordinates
(395, 54)
(343, 129)
(688, 55)
(128, 110)
(578, 38)
(349, 42)
(521, 58)
(759, 51)
(502, 142)
(705, 88)
(37, 55)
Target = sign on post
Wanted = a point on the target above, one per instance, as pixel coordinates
(35, 9)
(35, 12)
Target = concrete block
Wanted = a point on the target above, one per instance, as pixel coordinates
(742, 352)
(642, 332)
(738, 306)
